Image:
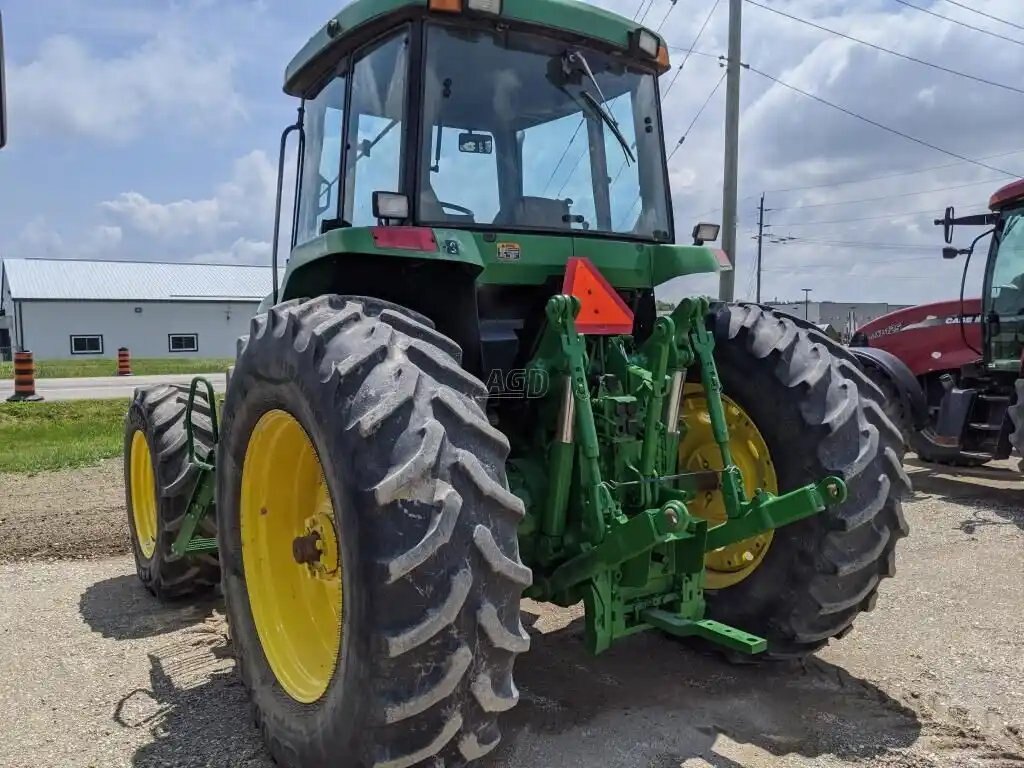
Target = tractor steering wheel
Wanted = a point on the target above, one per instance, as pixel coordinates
(457, 208)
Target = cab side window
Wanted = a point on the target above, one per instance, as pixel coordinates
(376, 127)
(321, 160)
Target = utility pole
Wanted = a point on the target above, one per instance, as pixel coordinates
(807, 301)
(760, 241)
(727, 280)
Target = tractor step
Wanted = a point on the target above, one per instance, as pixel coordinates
(201, 545)
(1005, 399)
(982, 426)
(713, 631)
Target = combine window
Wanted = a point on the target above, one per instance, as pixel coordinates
(183, 342)
(86, 345)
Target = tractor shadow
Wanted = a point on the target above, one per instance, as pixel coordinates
(195, 710)
(654, 701)
(992, 495)
(120, 608)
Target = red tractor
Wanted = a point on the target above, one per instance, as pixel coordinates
(952, 370)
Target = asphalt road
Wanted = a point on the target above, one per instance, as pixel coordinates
(105, 387)
(94, 672)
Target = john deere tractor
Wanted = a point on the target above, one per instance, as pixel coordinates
(461, 393)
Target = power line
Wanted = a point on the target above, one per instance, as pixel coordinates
(644, 16)
(697, 116)
(641, 7)
(887, 50)
(889, 175)
(564, 153)
(982, 13)
(888, 197)
(877, 124)
(851, 221)
(961, 23)
(861, 244)
(668, 13)
(690, 51)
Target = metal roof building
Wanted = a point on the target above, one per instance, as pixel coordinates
(63, 308)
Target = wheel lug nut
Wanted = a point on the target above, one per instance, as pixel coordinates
(306, 549)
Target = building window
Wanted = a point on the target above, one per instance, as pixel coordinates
(183, 342)
(86, 345)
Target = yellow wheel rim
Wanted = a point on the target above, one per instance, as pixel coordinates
(143, 490)
(290, 556)
(698, 451)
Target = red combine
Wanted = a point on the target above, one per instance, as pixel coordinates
(952, 369)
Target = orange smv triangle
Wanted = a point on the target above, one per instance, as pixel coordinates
(602, 310)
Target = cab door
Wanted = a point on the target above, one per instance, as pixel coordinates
(1003, 296)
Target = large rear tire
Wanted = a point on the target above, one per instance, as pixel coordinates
(159, 480)
(417, 517)
(819, 416)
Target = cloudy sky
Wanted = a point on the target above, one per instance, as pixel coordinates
(149, 131)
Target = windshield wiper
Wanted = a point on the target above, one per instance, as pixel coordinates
(578, 60)
(608, 120)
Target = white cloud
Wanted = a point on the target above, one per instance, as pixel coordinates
(244, 202)
(242, 251)
(37, 239)
(68, 90)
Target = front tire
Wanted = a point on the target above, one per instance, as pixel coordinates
(424, 528)
(159, 481)
(819, 416)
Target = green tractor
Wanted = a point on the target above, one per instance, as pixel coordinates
(461, 393)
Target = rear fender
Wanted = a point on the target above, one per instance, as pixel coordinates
(902, 378)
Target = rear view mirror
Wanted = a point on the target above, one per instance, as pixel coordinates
(947, 225)
(476, 143)
(3, 89)
(949, 252)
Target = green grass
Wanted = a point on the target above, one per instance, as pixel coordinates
(105, 366)
(38, 436)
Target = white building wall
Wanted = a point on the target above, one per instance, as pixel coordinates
(143, 327)
(8, 340)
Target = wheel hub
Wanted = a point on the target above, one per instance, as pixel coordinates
(698, 450)
(142, 481)
(291, 558)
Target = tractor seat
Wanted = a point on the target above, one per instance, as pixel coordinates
(432, 210)
(535, 212)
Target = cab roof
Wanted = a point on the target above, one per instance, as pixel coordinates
(371, 17)
(1011, 193)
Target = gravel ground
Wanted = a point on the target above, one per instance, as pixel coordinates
(94, 673)
(72, 513)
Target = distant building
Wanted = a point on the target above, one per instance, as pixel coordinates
(843, 317)
(69, 308)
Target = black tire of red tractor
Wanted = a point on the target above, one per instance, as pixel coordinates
(1016, 413)
(427, 532)
(891, 402)
(949, 458)
(819, 415)
(159, 413)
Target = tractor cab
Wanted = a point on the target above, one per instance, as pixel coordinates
(1003, 293)
(481, 120)
(456, 154)
(1002, 302)
(502, 131)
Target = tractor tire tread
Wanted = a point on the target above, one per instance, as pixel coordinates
(437, 596)
(159, 412)
(845, 551)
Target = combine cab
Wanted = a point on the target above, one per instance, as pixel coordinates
(952, 369)
(462, 394)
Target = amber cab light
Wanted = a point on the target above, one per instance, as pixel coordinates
(446, 6)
